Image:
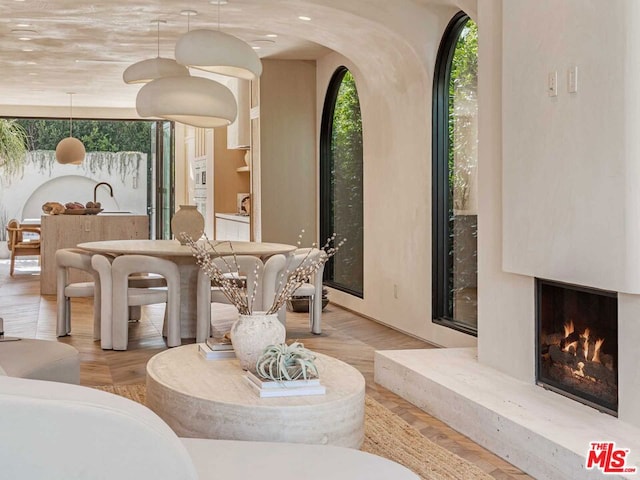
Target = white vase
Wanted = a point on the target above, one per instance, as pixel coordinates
(187, 220)
(251, 334)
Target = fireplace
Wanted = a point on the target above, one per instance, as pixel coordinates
(577, 343)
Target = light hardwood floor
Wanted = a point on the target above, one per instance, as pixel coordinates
(345, 335)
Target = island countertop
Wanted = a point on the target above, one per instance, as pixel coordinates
(66, 231)
(234, 217)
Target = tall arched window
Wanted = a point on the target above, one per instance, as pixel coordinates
(341, 187)
(455, 154)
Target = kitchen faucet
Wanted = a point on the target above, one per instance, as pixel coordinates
(95, 190)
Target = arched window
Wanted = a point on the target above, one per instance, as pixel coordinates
(455, 154)
(341, 187)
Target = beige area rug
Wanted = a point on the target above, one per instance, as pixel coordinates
(386, 435)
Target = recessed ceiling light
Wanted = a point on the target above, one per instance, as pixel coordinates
(33, 74)
(31, 63)
(23, 25)
(304, 18)
(218, 2)
(27, 49)
(255, 47)
(271, 35)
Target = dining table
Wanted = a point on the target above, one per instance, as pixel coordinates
(183, 257)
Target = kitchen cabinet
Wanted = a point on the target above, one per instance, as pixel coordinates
(238, 133)
(66, 231)
(231, 226)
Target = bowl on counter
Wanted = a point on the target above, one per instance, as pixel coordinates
(75, 211)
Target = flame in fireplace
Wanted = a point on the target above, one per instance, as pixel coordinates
(567, 347)
(585, 343)
(568, 328)
(596, 354)
(572, 340)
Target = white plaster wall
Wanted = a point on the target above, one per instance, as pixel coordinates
(629, 358)
(570, 162)
(506, 305)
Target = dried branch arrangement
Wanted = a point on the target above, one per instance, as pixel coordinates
(227, 278)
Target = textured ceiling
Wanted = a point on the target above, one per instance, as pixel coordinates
(83, 47)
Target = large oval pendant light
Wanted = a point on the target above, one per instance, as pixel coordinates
(70, 150)
(218, 52)
(195, 101)
(152, 68)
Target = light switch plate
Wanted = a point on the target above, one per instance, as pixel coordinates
(572, 79)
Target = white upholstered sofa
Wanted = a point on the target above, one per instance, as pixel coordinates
(60, 431)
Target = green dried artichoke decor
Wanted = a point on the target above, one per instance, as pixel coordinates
(284, 362)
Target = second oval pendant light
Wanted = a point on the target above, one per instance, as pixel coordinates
(218, 52)
(152, 68)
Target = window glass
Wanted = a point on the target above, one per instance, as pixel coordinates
(455, 176)
(341, 182)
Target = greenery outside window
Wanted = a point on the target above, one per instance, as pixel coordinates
(341, 186)
(455, 153)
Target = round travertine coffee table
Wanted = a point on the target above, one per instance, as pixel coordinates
(202, 398)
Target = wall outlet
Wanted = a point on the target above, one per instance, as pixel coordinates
(552, 84)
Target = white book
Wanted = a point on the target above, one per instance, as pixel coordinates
(216, 345)
(262, 383)
(209, 354)
(287, 392)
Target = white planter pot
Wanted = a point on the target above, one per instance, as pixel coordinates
(251, 334)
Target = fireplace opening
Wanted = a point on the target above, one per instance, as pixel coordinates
(577, 343)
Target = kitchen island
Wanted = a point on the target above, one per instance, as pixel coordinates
(66, 231)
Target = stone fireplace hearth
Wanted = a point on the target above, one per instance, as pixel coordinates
(539, 431)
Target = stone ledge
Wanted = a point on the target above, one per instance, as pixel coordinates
(540, 432)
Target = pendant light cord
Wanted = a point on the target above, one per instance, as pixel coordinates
(218, 15)
(158, 24)
(71, 114)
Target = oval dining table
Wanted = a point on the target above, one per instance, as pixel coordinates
(182, 255)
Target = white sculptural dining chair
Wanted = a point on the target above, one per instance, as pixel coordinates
(66, 260)
(114, 282)
(244, 268)
(313, 288)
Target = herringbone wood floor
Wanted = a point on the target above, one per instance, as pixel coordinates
(345, 335)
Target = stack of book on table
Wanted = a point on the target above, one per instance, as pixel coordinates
(213, 349)
(286, 388)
